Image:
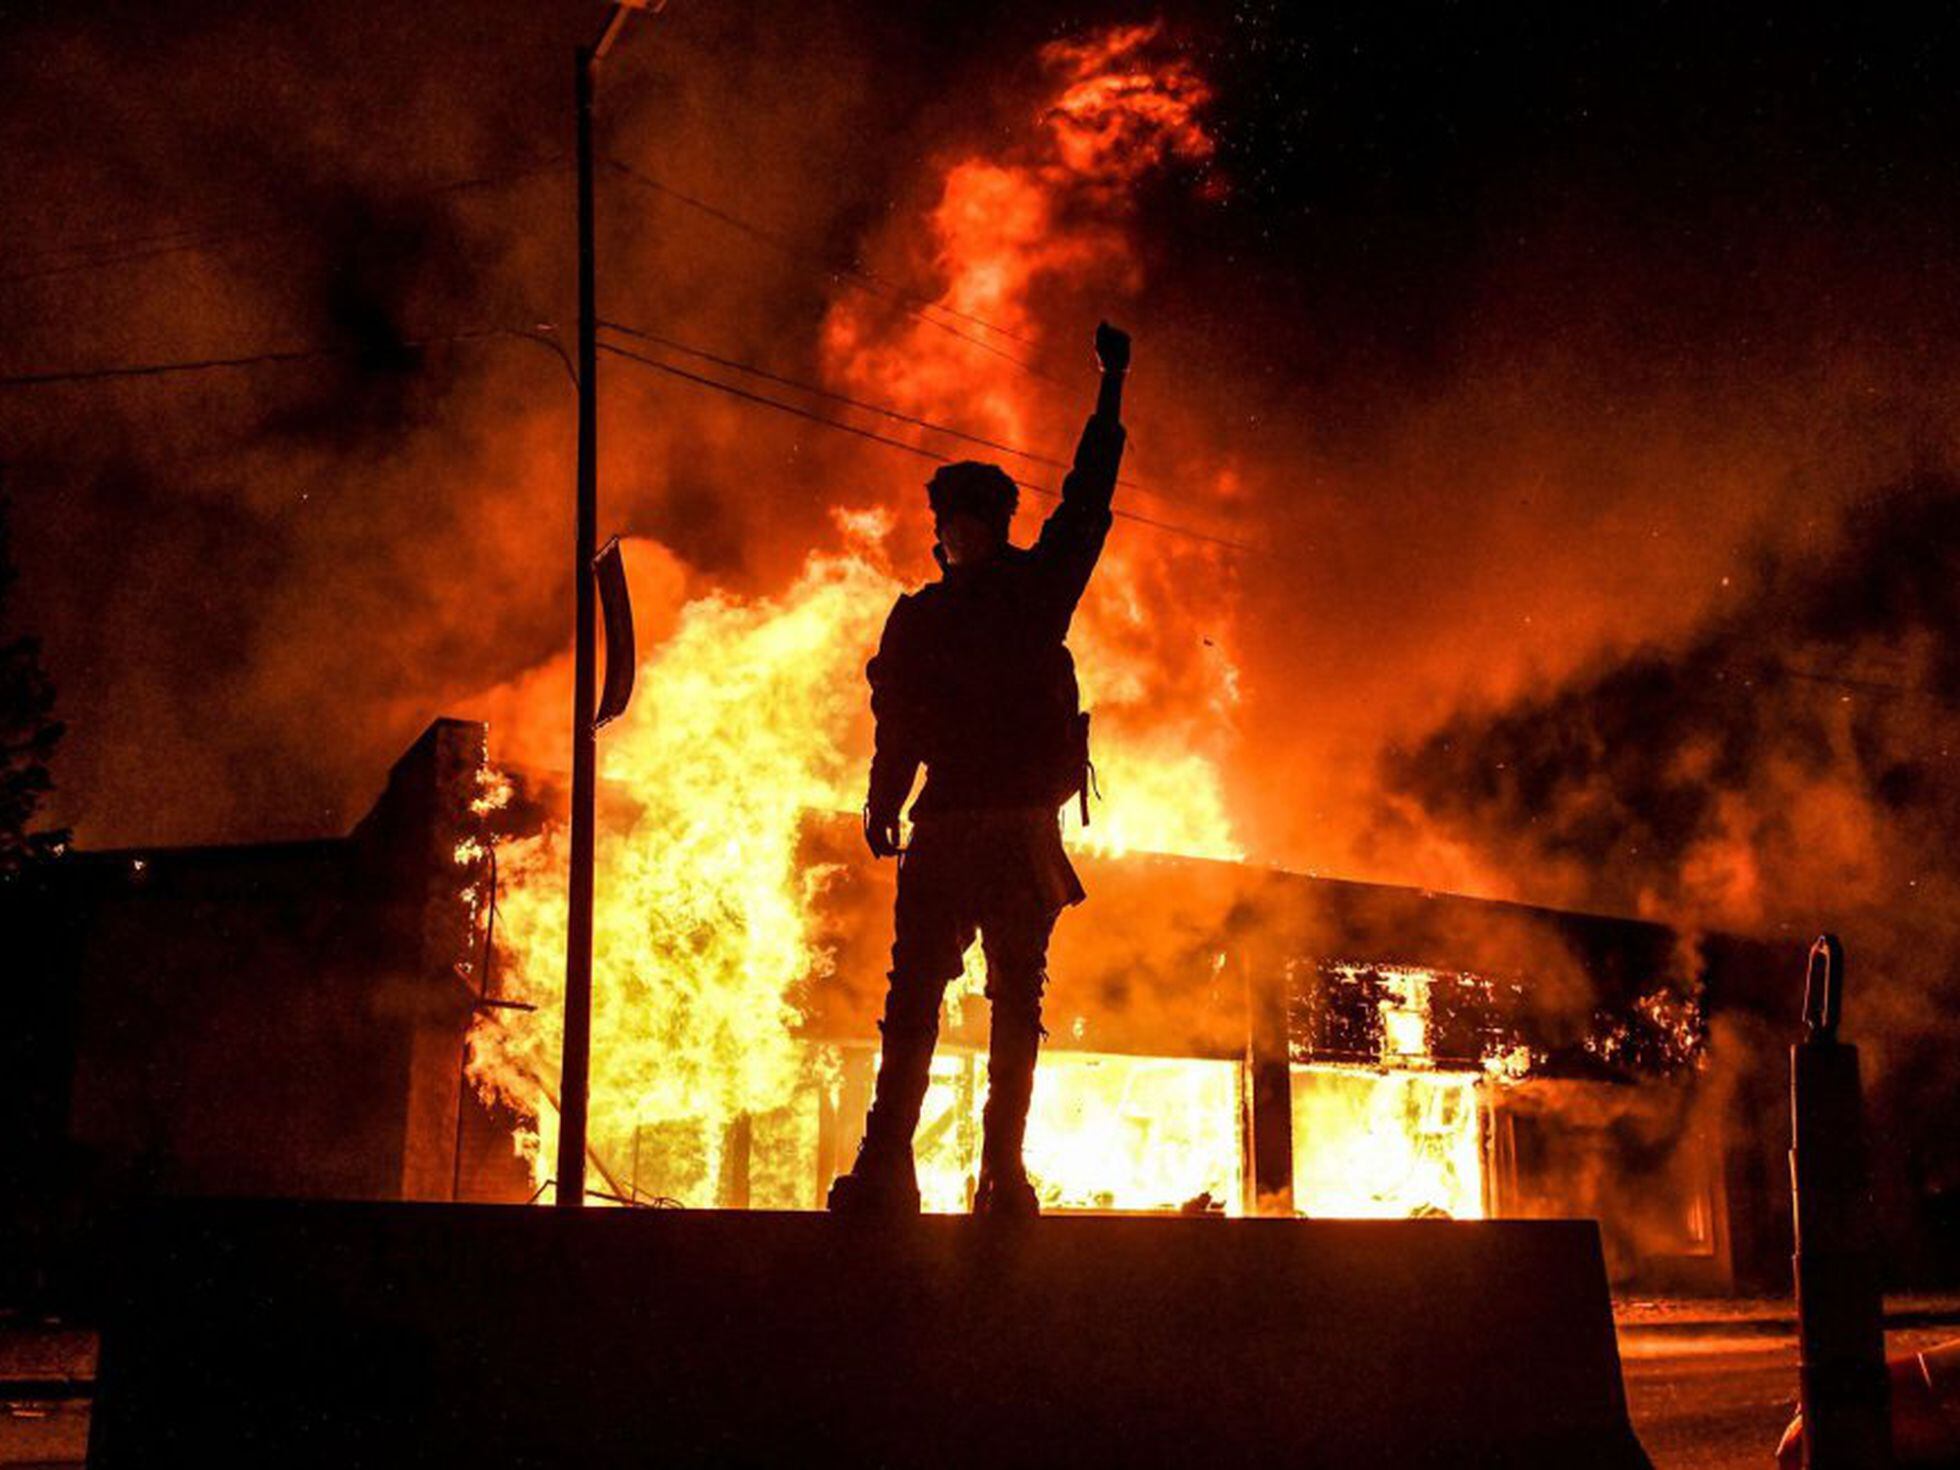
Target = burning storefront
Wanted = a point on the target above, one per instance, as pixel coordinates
(1224, 1039)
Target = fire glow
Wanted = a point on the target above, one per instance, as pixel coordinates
(703, 1090)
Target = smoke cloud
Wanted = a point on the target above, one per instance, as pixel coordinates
(1499, 355)
(1787, 768)
(1581, 392)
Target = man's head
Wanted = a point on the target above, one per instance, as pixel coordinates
(972, 507)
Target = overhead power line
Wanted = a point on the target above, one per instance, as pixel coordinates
(160, 369)
(734, 364)
(811, 416)
(252, 359)
(310, 354)
(913, 306)
(124, 250)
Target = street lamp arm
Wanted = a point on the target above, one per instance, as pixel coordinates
(543, 337)
(616, 22)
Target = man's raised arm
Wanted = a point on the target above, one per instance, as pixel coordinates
(1071, 539)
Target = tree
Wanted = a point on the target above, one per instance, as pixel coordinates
(28, 734)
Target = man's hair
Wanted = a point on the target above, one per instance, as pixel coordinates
(979, 489)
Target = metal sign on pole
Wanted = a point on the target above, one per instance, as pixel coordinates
(616, 613)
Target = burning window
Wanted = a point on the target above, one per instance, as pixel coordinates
(1380, 1130)
(1105, 1132)
(1384, 1145)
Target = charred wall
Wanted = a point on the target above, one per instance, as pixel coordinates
(283, 1019)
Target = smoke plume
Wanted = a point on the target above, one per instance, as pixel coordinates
(1788, 768)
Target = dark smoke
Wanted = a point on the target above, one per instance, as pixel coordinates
(1788, 769)
(256, 586)
(1498, 338)
(1833, 683)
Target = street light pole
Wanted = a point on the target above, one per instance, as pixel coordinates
(575, 1065)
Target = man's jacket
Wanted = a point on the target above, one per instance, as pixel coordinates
(973, 678)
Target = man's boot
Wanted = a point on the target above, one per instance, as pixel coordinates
(882, 1181)
(1014, 1041)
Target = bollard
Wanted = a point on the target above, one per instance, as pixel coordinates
(1840, 1311)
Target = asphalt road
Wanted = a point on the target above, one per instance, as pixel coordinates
(1704, 1395)
(1720, 1398)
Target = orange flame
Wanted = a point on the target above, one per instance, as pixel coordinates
(752, 713)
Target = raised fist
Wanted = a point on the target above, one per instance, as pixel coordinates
(1112, 348)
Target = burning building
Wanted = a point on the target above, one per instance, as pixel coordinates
(1235, 1040)
(1225, 1039)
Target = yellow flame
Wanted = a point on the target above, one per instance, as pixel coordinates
(1105, 1132)
(702, 919)
(1373, 1144)
(752, 715)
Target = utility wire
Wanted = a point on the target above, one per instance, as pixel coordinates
(128, 249)
(811, 416)
(831, 267)
(308, 354)
(883, 410)
(1771, 668)
(254, 359)
(912, 306)
(159, 369)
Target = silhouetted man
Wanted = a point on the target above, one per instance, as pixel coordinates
(973, 680)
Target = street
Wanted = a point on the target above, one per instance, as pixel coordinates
(1709, 1387)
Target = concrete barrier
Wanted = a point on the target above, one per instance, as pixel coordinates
(344, 1334)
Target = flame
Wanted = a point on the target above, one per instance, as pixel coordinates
(1104, 1133)
(1385, 1144)
(752, 714)
(1400, 1137)
(703, 922)
(1051, 212)
(1119, 114)
(1405, 1014)
(701, 925)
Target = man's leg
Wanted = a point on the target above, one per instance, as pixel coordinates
(929, 941)
(1017, 959)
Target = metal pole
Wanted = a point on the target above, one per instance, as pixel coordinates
(575, 1065)
(1840, 1307)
